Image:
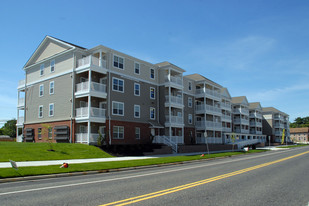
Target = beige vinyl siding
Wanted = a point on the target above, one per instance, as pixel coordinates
(63, 64)
(50, 49)
(61, 99)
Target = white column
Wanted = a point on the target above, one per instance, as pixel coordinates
(89, 131)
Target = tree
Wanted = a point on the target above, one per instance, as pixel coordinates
(300, 122)
(9, 128)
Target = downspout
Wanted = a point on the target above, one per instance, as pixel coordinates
(73, 91)
(109, 98)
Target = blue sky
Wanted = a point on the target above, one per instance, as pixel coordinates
(255, 48)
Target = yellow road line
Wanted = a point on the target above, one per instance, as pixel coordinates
(194, 184)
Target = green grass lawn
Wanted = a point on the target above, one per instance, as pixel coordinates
(291, 146)
(42, 170)
(18, 151)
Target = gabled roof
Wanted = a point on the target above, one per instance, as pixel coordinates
(167, 64)
(255, 105)
(49, 47)
(198, 77)
(272, 110)
(225, 92)
(240, 100)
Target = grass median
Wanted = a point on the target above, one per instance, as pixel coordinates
(101, 166)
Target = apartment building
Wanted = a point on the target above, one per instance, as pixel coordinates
(274, 122)
(73, 94)
(300, 135)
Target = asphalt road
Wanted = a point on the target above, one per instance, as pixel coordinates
(271, 178)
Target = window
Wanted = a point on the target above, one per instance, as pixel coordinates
(136, 89)
(189, 101)
(50, 133)
(190, 118)
(190, 86)
(40, 133)
(152, 113)
(40, 111)
(52, 66)
(152, 73)
(137, 133)
(51, 109)
(152, 93)
(41, 91)
(118, 62)
(137, 110)
(118, 132)
(51, 87)
(136, 68)
(118, 85)
(118, 108)
(42, 70)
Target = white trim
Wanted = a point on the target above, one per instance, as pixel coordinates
(189, 102)
(118, 62)
(50, 65)
(41, 85)
(42, 68)
(139, 68)
(139, 111)
(134, 78)
(190, 84)
(52, 82)
(113, 108)
(154, 74)
(40, 106)
(118, 86)
(139, 132)
(190, 115)
(139, 89)
(53, 110)
(118, 132)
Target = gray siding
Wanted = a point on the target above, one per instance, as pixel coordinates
(61, 99)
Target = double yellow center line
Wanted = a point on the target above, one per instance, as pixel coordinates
(194, 184)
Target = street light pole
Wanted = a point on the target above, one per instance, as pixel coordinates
(205, 135)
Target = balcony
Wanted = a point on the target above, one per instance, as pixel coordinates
(279, 125)
(241, 111)
(173, 101)
(210, 140)
(21, 103)
(226, 129)
(83, 138)
(279, 117)
(226, 118)
(174, 81)
(91, 62)
(21, 84)
(255, 115)
(255, 124)
(96, 89)
(176, 121)
(278, 133)
(241, 121)
(20, 121)
(210, 125)
(242, 131)
(226, 106)
(205, 108)
(96, 114)
(213, 94)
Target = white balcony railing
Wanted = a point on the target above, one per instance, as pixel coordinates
(21, 83)
(20, 121)
(226, 118)
(175, 80)
(241, 121)
(227, 106)
(174, 100)
(206, 107)
(83, 112)
(174, 119)
(21, 102)
(208, 124)
(241, 111)
(210, 92)
(94, 86)
(210, 140)
(90, 60)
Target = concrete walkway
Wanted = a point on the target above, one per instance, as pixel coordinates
(76, 161)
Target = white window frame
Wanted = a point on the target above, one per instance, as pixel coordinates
(41, 90)
(40, 133)
(154, 75)
(190, 102)
(137, 133)
(117, 90)
(51, 87)
(190, 86)
(137, 69)
(51, 112)
(39, 114)
(114, 61)
(190, 119)
(50, 133)
(137, 92)
(152, 110)
(117, 103)
(137, 109)
(42, 67)
(117, 129)
(52, 66)
(154, 93)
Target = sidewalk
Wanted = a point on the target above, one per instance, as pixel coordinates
(76, 161)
